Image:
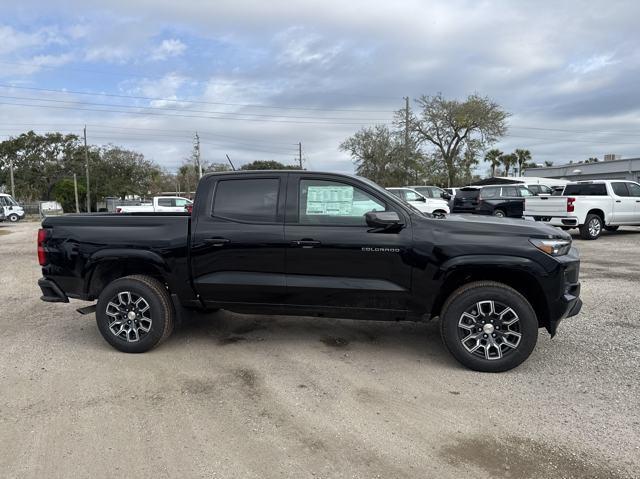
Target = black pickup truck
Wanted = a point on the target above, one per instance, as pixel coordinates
(315, 244)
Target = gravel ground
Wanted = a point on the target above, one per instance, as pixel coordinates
(238, 396)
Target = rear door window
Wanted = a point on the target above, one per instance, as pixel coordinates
(525, 191)
(509, 191)
(166, 202)
(252, 200)
(490, 192)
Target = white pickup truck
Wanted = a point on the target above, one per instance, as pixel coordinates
(590, 206)
(160, 204)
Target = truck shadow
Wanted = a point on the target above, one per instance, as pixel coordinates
(334, 336)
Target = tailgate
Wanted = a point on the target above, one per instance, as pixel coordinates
(546, 206)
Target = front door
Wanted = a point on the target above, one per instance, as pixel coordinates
(634, 192)
(624, 205)
(238, 247)
(334, 260)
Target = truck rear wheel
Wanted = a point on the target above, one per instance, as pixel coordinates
(499, 213)
(592, 227)
(488, 326)
(135, 314)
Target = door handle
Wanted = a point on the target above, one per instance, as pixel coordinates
(216, 241)
(306, 243)
(618, 201)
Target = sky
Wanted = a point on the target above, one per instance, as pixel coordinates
(255, 78)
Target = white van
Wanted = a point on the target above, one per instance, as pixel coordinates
(12, 211)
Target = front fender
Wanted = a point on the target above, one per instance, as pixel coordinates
(493, 261)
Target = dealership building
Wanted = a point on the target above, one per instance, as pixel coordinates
(609, 169)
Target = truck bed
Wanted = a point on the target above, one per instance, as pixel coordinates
(79, 243)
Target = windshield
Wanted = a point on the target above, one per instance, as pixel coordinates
(10, 201)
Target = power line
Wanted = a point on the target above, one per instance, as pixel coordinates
(165, 115)
(203, 102)
(71, 126)
(162, 108)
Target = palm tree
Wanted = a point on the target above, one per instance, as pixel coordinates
(522, 158)
(508, 161)
(493, 158)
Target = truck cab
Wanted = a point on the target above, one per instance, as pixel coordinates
(10, 208)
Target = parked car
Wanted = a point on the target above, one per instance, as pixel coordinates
(299, 243)
(500, 200)
(10, 208)
(434, 206)
(160, 204)
(432, 192)
(590, 206)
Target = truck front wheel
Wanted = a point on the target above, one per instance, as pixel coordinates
(135, 314)
(488, 326)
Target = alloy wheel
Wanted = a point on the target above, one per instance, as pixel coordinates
(129, 316)
(594, 227)
(489, 330)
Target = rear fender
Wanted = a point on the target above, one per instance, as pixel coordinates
(121, 257)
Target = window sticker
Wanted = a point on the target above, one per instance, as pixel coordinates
(330, 200)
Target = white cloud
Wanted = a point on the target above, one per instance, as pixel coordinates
(593, 63)
(169, 48)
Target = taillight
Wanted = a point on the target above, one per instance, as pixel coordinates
(189, 208)
(118, 210)
(42, 254)
(570, 206)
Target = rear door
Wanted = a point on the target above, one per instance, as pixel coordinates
(512, 201)
(624, 205)
(334, 260)
(238, 247)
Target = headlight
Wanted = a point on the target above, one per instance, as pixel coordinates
(553, 247)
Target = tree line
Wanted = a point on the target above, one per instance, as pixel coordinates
(439, 141)
(44, 165)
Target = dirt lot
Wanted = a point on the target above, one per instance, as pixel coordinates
(234, 396)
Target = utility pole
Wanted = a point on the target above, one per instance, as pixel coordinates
(196, 152)
(75, 190)
(300, 153)
(406, 133)
(86, 164)
(13, 189)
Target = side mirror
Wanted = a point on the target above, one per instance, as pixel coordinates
(423, 199)
(445, 196)
(383, 220)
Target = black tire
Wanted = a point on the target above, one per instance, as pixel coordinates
(467, 298)
(592, 227)
(13, 218)
(499, 213)
(161, 313)
(611, 228)
(439, 214)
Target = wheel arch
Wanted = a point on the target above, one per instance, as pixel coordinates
(519, 273)
(106, 266)
(598, 212)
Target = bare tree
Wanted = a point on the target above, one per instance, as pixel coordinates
(451, 125)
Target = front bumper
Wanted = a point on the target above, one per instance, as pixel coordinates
(51, 292)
